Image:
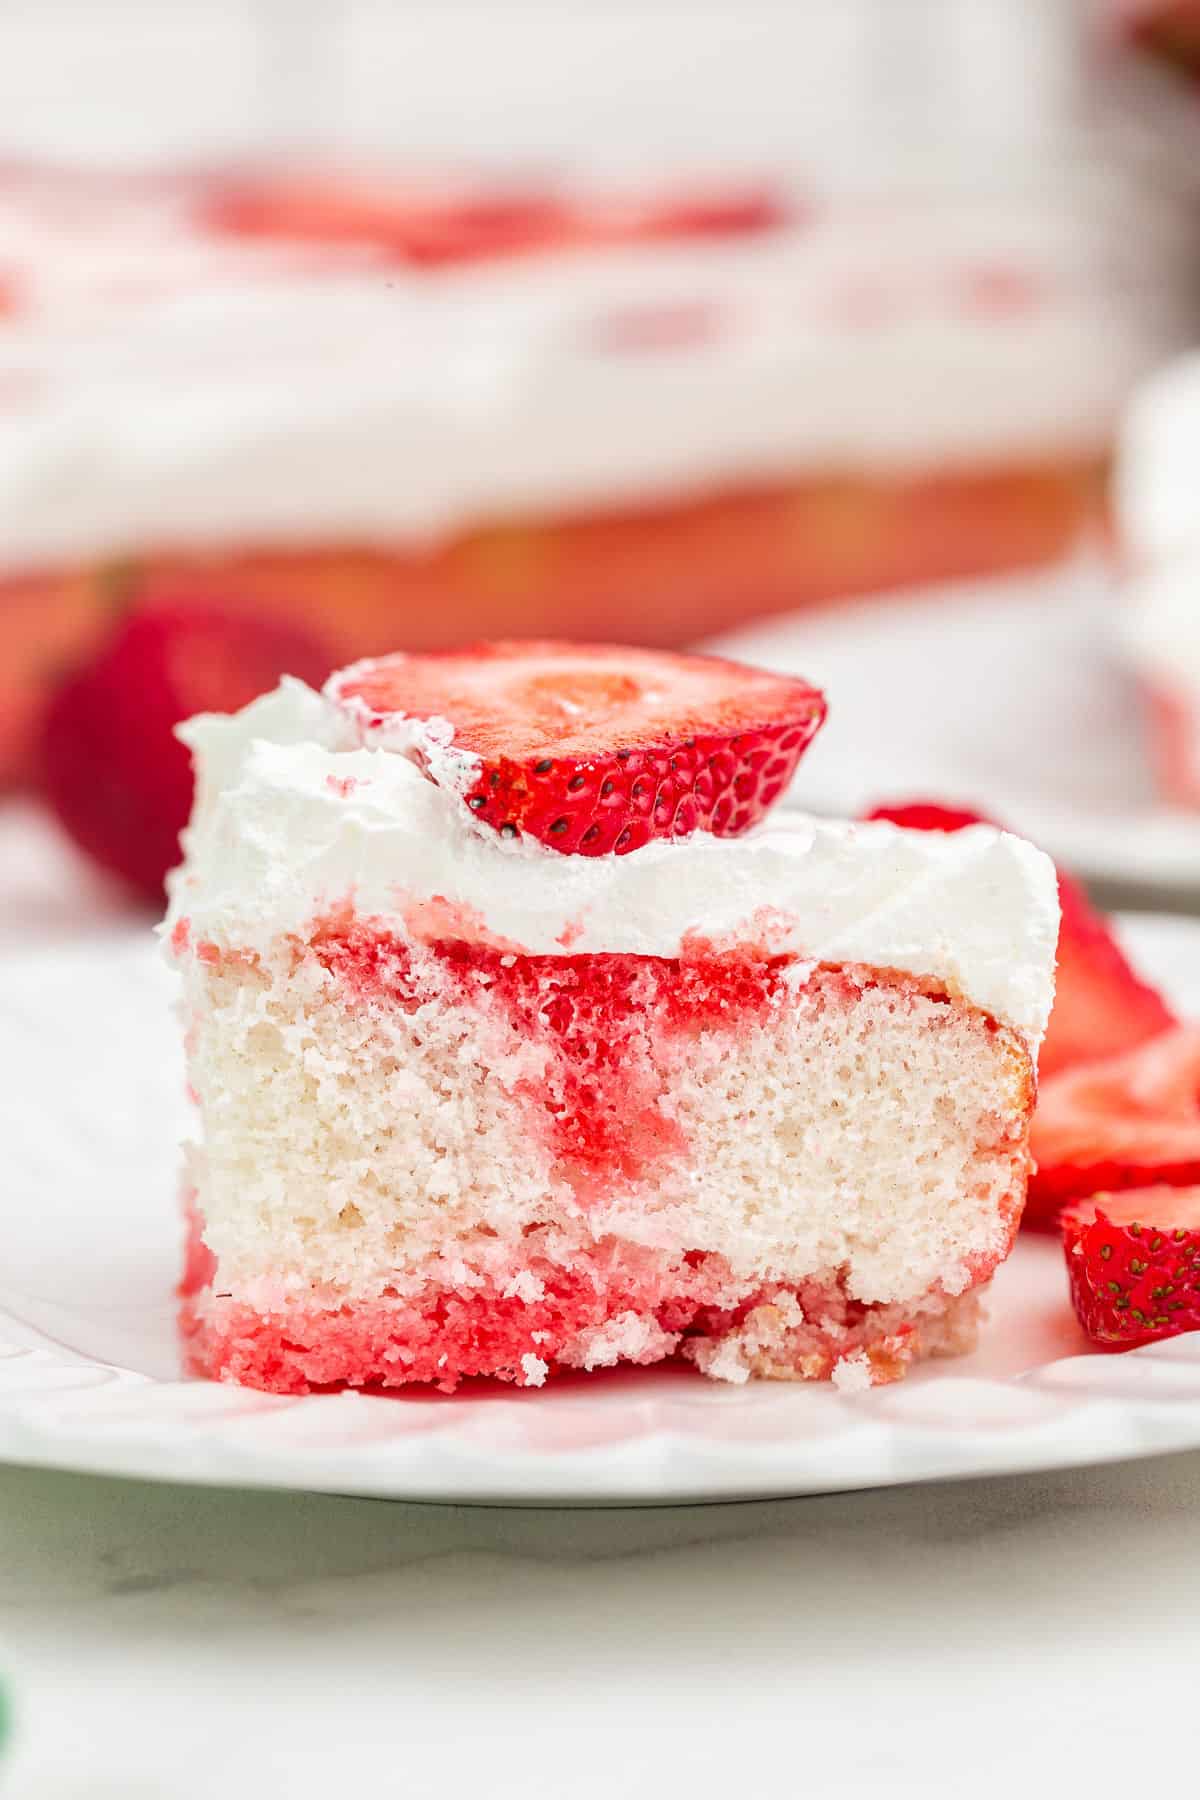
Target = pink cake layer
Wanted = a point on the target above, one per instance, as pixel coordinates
(454, 1337)
(448, 1337)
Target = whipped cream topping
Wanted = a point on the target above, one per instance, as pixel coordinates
(294, 817)
(191, 391)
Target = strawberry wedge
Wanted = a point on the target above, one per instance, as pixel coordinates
(1129, 1121)
(1133, 1261)
(592, 749)
(1102, 1006)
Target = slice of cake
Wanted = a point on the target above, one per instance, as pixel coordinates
(521, 1041)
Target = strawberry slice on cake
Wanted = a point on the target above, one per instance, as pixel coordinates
(717, 1082)
(591, 749)
(1127, 1121)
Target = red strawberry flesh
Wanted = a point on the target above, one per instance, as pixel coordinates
(112, 768)
(1133, 1262)
(595, 748)
(1129, 1121)
(1102, 1006)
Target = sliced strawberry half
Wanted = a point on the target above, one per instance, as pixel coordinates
(1101, 1006)
(1129, 1121)
(1133, 1261)
(594, 748)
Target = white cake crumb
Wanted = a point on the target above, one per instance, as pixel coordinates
(724, 1360)
(628, 1337)
(534, 1369)
(852, 1374)
(525, 1286)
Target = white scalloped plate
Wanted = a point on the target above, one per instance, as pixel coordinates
(90, 1109)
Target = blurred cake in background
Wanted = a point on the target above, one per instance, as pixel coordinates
(422, 413)
(1157, 505)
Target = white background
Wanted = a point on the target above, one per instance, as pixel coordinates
(526, 79)
(1028, 1635)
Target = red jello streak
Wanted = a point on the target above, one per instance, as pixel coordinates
(199, 1263)
(602, 1016)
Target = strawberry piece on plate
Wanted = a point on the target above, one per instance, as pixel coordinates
(112, 768)
(1133, 1261)
(1130, 1121)
(1101, 1006)
(595, 748)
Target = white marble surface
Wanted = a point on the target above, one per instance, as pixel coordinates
(938, 1641)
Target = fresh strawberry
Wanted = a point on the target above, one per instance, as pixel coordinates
(1101, 1006)
(592, 748)
(1133, 1261)
(1130, 1121)
(113, 770)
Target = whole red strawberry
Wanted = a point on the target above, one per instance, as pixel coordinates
(113, 770)
(1133, 1261)
(595, 748)
(1101, 1005)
